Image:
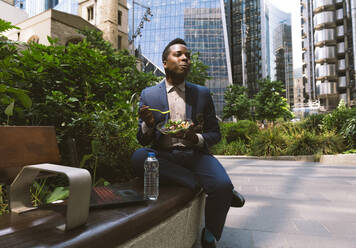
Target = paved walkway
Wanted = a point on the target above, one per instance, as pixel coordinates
(291, 204)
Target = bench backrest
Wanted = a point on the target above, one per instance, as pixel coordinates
(20, 146)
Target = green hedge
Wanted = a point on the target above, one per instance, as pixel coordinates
(330, 133)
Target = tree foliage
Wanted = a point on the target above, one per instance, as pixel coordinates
(237, 103)
(198, 71)
(84, 90)
(269, 102)
(10, 93)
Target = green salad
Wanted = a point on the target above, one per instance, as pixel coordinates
(175, 126)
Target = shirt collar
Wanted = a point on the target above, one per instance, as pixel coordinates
(169, 87)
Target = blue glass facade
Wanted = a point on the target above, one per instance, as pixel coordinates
(35, 7)
(200, 23)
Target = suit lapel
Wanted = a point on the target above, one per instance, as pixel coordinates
(188, 100)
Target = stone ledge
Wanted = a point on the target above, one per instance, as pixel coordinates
(344, 159)
(179, 231)
(305, 158)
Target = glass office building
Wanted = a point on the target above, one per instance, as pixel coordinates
(201, 23)
(249, 43)
(329, 45)
(68, 6)
(35, 7)
(254, 26)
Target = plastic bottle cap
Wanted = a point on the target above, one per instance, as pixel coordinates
(151, 154)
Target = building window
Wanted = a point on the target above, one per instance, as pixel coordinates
(119, 16)
(90, 13)
(119, 42)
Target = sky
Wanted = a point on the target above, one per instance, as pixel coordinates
(293, 7)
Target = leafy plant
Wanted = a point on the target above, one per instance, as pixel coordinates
(269, 102)
(269, 142)
(85, 91)
(4, 207)
(10, 93)
(237, 103)
(351, 151)
(39, 191)
(349, 131)
(313, 122)
(242, 130)
(198, 70)
(59, 193)
(237, 147)
(337, 118)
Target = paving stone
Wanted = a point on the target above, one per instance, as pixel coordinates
(291, 204)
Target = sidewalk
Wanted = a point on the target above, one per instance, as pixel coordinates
(339, 159)
(291, 204)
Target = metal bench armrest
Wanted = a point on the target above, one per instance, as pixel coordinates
(79, 192)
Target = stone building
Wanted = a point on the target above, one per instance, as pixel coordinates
(10, 13)
(110, 16)
(53, 23)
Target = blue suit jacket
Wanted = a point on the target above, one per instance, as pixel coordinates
(198, 103)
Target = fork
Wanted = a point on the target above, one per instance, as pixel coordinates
(162, 112)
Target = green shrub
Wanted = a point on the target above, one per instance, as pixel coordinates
(307, 142)
(4, 207)
(269, 142)
(338, 118)
(330, 143)
(237, 147)
(349, 132)
(303, 143)
(225, 127)
(351, 151)
(313, 122)
(242, 130)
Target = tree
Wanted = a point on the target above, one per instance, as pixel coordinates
(237, 103)
(269, 102)
(198, 71)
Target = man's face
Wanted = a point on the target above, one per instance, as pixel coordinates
(178, 60)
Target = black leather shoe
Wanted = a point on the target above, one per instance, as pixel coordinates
(206, 244)
(237, 200)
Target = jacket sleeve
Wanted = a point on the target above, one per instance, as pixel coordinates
(143, 138)
(211, 129)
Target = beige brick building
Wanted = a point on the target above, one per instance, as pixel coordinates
(53, 23)
(110, 16)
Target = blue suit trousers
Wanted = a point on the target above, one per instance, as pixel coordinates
(194, 169)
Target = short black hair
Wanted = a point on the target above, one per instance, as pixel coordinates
(173, 42)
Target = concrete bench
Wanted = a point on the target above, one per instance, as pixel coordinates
(172, 221)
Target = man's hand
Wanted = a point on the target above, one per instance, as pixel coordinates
(146, 116)
(187, 134)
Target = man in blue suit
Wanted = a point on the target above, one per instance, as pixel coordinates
(184, 157)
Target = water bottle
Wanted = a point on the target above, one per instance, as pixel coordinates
(151, 179)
